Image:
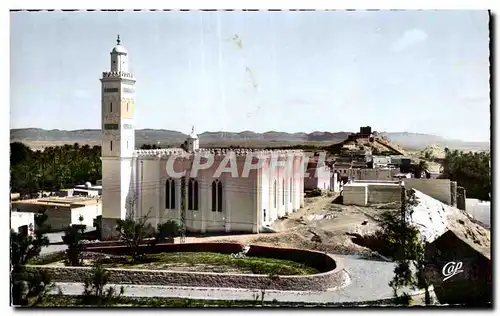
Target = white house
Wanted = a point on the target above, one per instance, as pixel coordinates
(61, 211)
(222, 193)
(22, 222)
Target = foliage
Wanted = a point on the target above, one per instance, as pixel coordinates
(95, 292)
(408, 249)
(471, 171)
(132, 232)
(168, 229)
(29, 287)
(73, 237)
(421, 167)
(53, 168)
(48, 258)
(123, 301)
(24, 248)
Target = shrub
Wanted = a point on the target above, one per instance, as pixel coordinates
(132, 231)
(73, 239)
(95, 292)
(29, 287)
(168, 229)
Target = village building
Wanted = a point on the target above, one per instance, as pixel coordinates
(61, 211)
(217, 193)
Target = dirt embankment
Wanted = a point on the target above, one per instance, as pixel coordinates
(320, 225)
(324, 225)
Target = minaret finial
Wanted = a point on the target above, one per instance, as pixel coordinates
(192, 129)
(118, 39)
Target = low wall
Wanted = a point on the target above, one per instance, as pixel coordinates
(331, 269)
(355, 194)
(362, 194)
(383, 193)
(439, 189)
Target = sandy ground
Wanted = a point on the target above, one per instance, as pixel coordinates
(320, 225)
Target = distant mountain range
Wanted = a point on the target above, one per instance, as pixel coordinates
(271, 138)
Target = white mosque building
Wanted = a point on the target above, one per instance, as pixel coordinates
(147, 182)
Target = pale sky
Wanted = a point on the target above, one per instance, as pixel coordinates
(414, 71)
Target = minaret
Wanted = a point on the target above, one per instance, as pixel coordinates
(193, 143)
(118, 137)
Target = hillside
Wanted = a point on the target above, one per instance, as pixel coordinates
(169, 137)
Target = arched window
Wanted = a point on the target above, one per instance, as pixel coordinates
(219, 196)
(111, 145)
(193, 195)
(283, 189)
(291, 190)
(170, 194)
(167, 194)
(275, 195)
(216, 196)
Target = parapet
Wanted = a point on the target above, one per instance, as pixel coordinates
(117, 74)
(239, 152)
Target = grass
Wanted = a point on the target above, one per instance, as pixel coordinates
(48, 258)
(196, 261)
(75, 301)
(220, 261)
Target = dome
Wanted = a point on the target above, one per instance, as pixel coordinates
(119, 49)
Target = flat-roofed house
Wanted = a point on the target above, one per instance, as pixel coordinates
(61, 211)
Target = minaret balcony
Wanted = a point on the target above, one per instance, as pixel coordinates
(117, 74)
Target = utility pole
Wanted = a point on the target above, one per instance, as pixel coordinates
(183, 209)
(183, 203)
(142, 185)
(403, 218)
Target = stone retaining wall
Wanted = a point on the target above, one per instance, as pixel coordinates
(333, 277)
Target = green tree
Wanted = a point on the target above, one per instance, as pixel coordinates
(73, 237)
(132, 231)
(29, 287)
(421, 167)
(470, 170)
(95, 291)
(54, 167)
(410, 253)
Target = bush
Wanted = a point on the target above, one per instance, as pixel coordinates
(95, 292)
(73, 239)
(167, 230)
(28, 287)
(132, 232)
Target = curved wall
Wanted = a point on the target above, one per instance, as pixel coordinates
(331, 276)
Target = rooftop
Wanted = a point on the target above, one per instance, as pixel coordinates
(363, 184)
(64, 202)
(212, 151)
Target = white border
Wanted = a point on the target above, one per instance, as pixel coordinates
(254, 4)
(176, 4)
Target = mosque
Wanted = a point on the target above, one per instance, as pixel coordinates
(218, 197)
